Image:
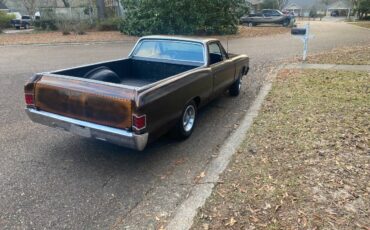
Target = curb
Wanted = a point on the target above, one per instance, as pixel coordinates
(188, 209)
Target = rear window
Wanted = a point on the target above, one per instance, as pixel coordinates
(170, 50)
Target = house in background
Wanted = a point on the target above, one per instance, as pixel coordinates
(340, 8)
(4, 8)
(295, 8)
(254, 5)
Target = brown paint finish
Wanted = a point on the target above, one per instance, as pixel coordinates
(159, 90)
(97, 103)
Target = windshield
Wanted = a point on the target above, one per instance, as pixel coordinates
(170, 50)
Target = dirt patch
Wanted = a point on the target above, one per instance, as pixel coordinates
(356, 55)
(305, 162)
(57, 37)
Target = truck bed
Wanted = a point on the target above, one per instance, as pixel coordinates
(133, 72)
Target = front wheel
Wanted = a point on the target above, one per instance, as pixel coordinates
(185, 125)
(286, 23)
(236, 87)
(251, 24)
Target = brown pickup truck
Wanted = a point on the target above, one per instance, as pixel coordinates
(132, 101)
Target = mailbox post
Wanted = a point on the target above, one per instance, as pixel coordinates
(304, 35)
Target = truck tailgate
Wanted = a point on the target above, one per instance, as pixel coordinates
(104, 104)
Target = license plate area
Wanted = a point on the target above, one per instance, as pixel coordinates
(80, 130)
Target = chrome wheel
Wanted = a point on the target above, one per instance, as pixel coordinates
(188, 118)
(240, 84)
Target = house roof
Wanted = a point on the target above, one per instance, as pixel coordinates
(3, 6)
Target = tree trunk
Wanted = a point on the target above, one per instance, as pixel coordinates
(100, 5)
(66, 3)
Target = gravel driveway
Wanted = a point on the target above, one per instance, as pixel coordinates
(51, 179)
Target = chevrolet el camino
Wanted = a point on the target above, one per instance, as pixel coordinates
(158, 88)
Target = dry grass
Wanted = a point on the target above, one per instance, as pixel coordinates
(357, 55)
(305, 163)
(365, 24)
(57, 37)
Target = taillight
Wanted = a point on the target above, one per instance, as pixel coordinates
(29, 99)
(29, 90)
(139, 122)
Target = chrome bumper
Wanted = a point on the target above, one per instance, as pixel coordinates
(88, 129)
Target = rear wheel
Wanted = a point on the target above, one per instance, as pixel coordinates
(236, 87)
(286, 23)
(186, 124)
(250, 24)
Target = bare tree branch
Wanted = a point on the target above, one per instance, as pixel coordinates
(282, 3)
(30, 6)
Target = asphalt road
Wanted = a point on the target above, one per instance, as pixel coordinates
(54, 180)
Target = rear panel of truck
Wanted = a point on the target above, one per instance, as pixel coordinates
(104, 104)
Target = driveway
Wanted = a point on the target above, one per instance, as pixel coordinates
(54, 180)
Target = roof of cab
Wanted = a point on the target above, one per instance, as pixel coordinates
(180, 38)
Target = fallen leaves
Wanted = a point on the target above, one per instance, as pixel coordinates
(231, 222)
(356, 55)
(309, 170)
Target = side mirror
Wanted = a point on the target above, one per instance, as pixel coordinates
(298, 31)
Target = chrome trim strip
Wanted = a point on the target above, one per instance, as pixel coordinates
(100, 132)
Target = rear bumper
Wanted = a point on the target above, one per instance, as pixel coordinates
(88, 129)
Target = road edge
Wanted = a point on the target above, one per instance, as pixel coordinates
(188, 209)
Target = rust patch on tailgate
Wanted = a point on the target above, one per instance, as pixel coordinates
(93, 102)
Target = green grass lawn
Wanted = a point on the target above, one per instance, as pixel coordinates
(305, 163)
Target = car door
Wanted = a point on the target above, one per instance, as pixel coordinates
(266, 16)
(223, 69)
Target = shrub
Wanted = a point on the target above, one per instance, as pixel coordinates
(72, 26)
(109, 24)
(363, 9)
(313, 12)
(80, 27)
(145, 17)
(5, 20)
(65, 26)
(43, 24)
